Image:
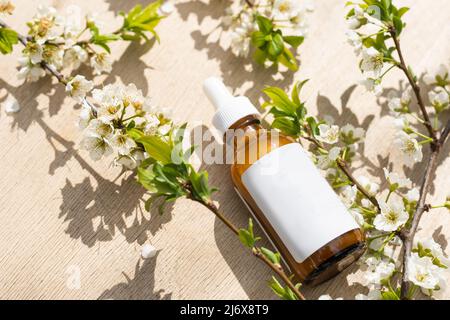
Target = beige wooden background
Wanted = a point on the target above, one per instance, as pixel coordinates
(60, 212)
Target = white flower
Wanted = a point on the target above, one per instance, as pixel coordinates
(34, 51)
(412, 151)
(126, 161)
(371, 187)
(6, 7)
(240, 42)
(74, 23)
(395, 181)
(439, 76)
(78, 87)
(285, 9)
(348, 195)
(413, 195)
(422, 272)
(439, 98)
(327, 160)
(328, 297)
(372, 61)
(11, 105)
(328, 134)
(372, 295)
(434, 249)
(100, 127)
(74, 56)
(123, 143)
(351, 134)
(29, 71)
(392, 216)
(372, 85)
(400, 122)
(401, 103)
(98, 147)
(354, 39)
(111, 111)
(148, 251)
(101, 62)
(379, 270)
(166, 8)
(357, 19)
(54, 56)
(359, 218)
(85, 115)
(46, 24)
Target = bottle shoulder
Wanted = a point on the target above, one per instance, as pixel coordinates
(254, 146)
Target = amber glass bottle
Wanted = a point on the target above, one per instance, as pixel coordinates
(294, 205)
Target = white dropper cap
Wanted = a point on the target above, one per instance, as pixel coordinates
(230, 109)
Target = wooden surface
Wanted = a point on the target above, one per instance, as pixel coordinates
(60, 212)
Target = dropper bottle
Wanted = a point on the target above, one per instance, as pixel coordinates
(295, 206)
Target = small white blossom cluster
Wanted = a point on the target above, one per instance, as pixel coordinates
(439, 80)
(372, 61)
(56, 39)
(341, 141)
(427, 265)
(240, 19)
(6, 7)
(119, 108)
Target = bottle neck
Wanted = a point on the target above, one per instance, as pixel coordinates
(242, 133)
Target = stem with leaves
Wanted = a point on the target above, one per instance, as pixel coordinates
(257, 252)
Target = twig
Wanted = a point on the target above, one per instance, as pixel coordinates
(256, 251)
(415, 86)
(44, 65)
(249, 3)
(343, 166)
(407, 235)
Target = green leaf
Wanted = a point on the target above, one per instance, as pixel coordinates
(274, 257)
(402, 11)
(280, 100)
(140, 20)
(246, 238)
(199, 182)
(398, 25)
(157, 148)
(258, 39)
(313, 125)
(295, 95)
(279, 290)
(389, 295)
(286, 126)
(145, 178)
(287, 59)
(264, 24)
(294, 41)
(260, 56)
(275, 45)
(8, 38)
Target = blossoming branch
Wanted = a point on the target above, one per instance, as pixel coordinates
(58, 43)
(375, 29)
(274, 28)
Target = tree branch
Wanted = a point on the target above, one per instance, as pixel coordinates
(407, 235)
(343, 166)
(415, 86)
(256, 251)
